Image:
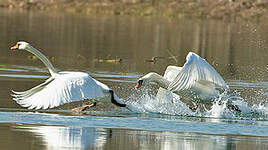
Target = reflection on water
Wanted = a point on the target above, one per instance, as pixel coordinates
(72, 42)
(56, 137)
(237, 50)
(60, 137)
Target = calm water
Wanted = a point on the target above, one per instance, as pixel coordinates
(237, 50)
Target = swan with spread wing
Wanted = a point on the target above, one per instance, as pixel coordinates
(61, 87)
(197, 79)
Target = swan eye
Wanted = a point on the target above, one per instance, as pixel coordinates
(140, 82)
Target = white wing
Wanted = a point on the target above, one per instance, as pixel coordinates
(64, 88)
(171, 72)
(164, 95)
(196, 70)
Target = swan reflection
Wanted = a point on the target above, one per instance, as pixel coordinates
(61, 137)
(177, 141)
(56, 137)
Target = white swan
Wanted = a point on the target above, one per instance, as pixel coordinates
(61, 87)
(197, 79)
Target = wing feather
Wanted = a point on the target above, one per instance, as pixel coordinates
(164, 95)
(65, 88)
(196, 69)
(171, 72)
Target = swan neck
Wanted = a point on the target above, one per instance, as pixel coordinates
(43, 58)
(161, 81)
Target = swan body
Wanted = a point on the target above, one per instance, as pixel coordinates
(61, 87)
(197, 79)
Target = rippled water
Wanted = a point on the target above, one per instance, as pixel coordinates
(93, 44)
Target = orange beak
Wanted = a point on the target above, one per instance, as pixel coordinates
(15, 47)
(138, 85)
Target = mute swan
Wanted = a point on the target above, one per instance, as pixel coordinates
(197, 79)
(61, 87)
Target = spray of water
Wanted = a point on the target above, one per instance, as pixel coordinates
(171, 104)
(149, 103)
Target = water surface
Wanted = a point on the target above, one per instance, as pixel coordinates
(237, 50)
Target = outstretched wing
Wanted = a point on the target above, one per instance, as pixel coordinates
(196, 70)
(65, 88)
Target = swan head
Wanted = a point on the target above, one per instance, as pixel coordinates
(20, 46)
(145, 79)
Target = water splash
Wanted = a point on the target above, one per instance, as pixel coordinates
(149, 103)
(171, 104)
(221, 108)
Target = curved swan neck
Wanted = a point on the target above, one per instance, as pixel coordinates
(160, 80)
(43, 58)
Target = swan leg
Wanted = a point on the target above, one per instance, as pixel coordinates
(114, 101)
(84, 107)
(194, 107)
(204, 107)
(233, 107)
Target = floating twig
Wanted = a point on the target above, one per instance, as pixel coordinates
(172, 56)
